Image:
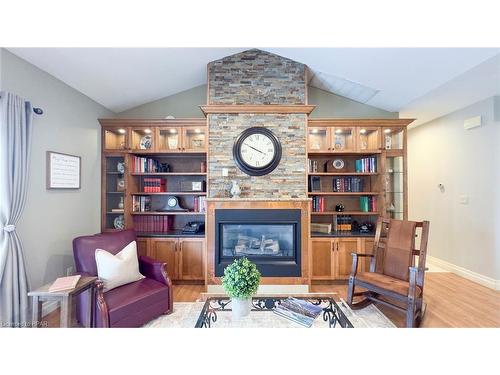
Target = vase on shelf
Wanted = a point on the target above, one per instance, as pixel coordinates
(235, 189)
(120, 204)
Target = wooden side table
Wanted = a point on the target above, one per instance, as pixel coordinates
(65, 298)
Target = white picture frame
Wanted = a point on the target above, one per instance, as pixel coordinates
(64, 171)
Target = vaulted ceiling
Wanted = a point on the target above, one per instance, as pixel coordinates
(387, 78)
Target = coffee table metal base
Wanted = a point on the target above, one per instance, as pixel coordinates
(331, 316)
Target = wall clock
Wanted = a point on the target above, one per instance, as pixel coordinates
(257, 151)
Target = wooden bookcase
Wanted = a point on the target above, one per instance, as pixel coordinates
(348, 140)
(182, 145)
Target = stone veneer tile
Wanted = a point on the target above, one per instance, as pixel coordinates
(288, 180)
(256, 77)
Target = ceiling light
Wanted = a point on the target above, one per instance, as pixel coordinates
(387, 131)
(363, 131)
(173, 131)
(338, 131)
(121, 131)
(147, 131)
(198, 131)
(314, 131)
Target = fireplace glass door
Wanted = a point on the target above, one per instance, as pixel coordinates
(257, 240)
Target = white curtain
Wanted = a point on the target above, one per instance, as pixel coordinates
(16, 118)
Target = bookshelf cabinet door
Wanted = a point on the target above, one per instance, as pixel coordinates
(142, 247)
(113, 192)
(166, 250)
(318, 139)
(343, 139)
(344, 247)
(394, 187)
(191, 260)
(322, 259)
(115, 139)
(194, 139)
(369, 139)
(142, 139)
(169, 139)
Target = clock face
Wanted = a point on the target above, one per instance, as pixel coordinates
(172, 202)
(257, 151)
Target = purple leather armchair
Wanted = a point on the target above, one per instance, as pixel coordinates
(129, 305)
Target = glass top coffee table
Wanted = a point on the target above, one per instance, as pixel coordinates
(217, 313)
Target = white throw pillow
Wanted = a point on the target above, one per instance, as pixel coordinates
(120, 269)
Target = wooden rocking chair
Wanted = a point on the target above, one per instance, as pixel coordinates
(392, 272)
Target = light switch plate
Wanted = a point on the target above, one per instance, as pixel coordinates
(225, 172)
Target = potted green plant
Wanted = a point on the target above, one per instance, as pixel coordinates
(240, 281)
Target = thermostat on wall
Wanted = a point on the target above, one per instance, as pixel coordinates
(472, 122)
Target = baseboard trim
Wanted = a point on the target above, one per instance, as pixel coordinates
(486, 281)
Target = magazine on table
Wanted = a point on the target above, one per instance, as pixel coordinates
(299, 311)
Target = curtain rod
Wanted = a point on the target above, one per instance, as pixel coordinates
(37, 110)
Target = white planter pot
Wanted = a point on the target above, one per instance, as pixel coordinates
(240, 307)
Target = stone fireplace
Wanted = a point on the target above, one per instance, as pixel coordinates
(269, 222)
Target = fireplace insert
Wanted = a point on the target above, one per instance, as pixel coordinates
(269, 238)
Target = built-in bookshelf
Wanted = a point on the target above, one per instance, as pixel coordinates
(146, 163)
(356, 173)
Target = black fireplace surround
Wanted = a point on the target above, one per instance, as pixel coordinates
(270, 238)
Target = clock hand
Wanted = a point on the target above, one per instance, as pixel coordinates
(246, 144)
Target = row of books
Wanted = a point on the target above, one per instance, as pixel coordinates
(200, 204)
(145, 165)
(153, 223)
(313, 166)
(368, 204)
(141, 203)
(366, 165)
(318, 204)
(154, 185)
(342, 223)
(347, 184)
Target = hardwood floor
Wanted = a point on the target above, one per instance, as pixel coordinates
(452, 301)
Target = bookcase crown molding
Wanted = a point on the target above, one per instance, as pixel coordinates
(257, 108)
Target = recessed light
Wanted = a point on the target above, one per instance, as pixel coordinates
(121, 131)
(147, 131)
(338, 131)
(363, 131)
(387, 131)
(314, 131)
(197, 131)
(173, 131)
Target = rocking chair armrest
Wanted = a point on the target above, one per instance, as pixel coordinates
(354, 269)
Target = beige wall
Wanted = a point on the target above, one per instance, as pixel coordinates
(466, 163)
(69, 124)
(185, 104)
(182, 104)
(331, 105)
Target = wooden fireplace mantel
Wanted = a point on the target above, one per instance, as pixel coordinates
(250, 203)
(260, 108)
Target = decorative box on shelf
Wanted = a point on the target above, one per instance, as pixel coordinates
(187, 186)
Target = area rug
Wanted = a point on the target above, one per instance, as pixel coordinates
(185, 315)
